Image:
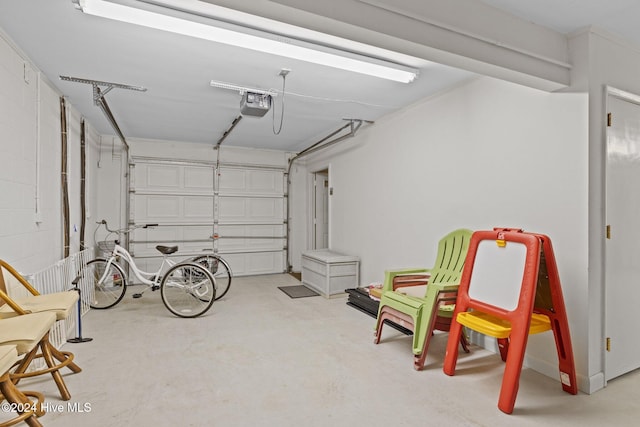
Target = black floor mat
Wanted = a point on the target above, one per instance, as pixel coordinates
(298, 291)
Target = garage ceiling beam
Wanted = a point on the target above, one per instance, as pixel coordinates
(466, 34)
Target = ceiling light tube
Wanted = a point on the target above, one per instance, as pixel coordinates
(243, 89)
(283, 47)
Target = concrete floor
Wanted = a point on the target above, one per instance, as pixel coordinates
(259, 358)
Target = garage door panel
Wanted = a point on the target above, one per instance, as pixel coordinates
(232, 209)
(173, 233)
(230, 237)
(265, 262)
(172, 208)
(198, 208)
(198, 233)
(231, 180)
(157, 176)
(237, 262)
(157, 234)
(155, 207)
(251, 181)
(229, 240)
(265, 182)
(163, 177)
(198, 179)
(244, 264)
(175, 178)
(250, 209)
(268, 209)
(262, 261)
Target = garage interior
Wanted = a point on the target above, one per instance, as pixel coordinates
(497, 113)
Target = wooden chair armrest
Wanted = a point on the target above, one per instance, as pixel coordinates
(18, 276)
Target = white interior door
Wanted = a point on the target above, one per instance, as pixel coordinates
(321, 210)
(622, 276)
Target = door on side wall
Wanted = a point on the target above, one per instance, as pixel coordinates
(622, 247)
(321, 209)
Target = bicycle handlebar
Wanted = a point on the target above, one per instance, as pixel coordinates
(125, 230)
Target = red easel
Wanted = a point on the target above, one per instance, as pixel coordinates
(500, 259)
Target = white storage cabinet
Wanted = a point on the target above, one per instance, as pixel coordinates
(330, 273)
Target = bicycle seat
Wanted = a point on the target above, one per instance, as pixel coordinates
(167, 250)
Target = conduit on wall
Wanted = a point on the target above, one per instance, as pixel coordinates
(38, 213)
(83, 176)
(65, 183)
(353, 125)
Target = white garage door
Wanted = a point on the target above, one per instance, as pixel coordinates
(250, 218)
(247, 213)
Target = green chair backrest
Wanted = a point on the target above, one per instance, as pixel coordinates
(452, 251)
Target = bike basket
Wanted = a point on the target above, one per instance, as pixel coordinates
(105, 248)
(210, 263)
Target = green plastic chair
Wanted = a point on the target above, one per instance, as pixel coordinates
(427, 306)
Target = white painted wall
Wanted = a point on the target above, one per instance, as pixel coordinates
(108, 169)
(93, 141)
(600, 60)
(485, 154)
(30, 152)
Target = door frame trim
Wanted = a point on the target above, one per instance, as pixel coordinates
(311, 207)
(634, 99)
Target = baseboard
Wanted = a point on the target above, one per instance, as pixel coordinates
(586, 384)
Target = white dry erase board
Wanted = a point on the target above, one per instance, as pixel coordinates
(497, 274)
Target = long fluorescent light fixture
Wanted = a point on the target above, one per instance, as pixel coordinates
(300, 50)
(243, 89)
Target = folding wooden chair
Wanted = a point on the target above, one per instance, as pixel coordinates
(27, 409)
(25, 333)
(59, 304)
(502, 295)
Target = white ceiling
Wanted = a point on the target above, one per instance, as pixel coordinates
(619, 17)
(180, 104)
